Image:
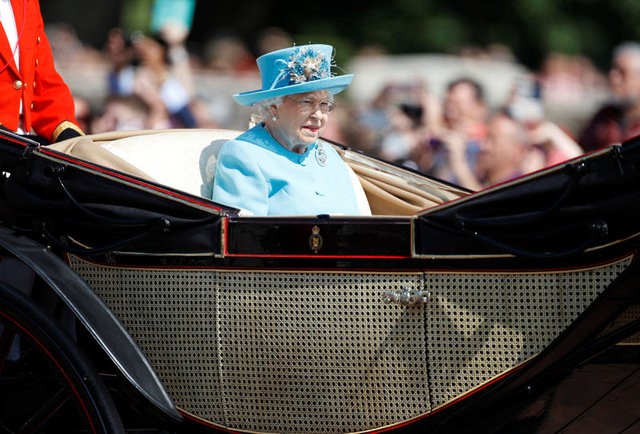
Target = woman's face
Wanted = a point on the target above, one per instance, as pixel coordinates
(300, 118)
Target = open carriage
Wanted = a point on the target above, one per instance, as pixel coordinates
(130, 301)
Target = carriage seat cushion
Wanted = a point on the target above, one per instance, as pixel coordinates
(171, 157)
(181, 159)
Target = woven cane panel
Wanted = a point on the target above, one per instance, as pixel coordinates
(480, 325)
(316, 352)
(321, 352)
(171, 317)
(630, 315)
(276, 352)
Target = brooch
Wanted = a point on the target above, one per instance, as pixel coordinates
(321, 156)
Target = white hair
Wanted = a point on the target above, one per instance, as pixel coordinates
(628, 47)
(263, 105)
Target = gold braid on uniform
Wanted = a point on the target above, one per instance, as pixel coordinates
(63, 126)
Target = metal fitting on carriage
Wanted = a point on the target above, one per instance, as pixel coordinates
(406, 296)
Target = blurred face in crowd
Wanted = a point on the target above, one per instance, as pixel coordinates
(624, 77)
(462, 107)
(150, 52)
(503, 149)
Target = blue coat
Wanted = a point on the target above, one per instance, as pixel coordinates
(257, 174)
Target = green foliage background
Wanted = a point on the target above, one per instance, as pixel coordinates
(531, 28)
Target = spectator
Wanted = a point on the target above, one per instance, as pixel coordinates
(410, 121)
(120, 54)
(395, 121)
(525, 105)
(227, 53)
(403, 136)
(426, 113)
(465, 108)
(504, 154)
(175, 36)
(121, 113)
(561, 79)
(158, 85)
(372, 120)
(142, 66)
(272, 39)
(465, 114)
(557, 145)
(83, 112)
(618, 120)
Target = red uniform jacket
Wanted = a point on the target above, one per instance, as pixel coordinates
(47, 103)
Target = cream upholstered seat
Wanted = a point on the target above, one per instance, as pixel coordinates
(181, 159)
(184, 160)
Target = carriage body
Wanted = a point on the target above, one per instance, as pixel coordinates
(443, 309)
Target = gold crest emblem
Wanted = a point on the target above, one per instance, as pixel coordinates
(315, 240)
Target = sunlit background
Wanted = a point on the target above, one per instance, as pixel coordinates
(568, 42)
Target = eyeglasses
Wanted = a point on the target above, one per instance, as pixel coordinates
(308, 105)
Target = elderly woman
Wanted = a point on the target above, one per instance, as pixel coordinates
(279, 167)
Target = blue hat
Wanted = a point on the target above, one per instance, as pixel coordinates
(305, 68)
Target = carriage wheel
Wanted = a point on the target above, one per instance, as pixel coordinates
(47, 384)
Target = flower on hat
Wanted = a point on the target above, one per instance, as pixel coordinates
(307, 64)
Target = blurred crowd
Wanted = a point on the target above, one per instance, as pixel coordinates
(150, 80)
(456, 135)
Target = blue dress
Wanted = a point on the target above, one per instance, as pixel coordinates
(257, 174)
